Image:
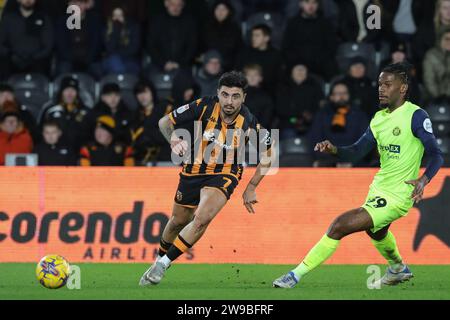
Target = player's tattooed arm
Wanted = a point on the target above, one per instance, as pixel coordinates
(167, 129)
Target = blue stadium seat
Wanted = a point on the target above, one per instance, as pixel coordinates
(125, 81)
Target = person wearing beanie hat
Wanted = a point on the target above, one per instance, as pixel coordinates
(68, 110)
(105, 150)
(14, 137)
(112, 104)
(208, 76)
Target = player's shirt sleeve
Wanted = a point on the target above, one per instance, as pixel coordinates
(359, 149)
(422, 128)
(187, 113)
(263, 136)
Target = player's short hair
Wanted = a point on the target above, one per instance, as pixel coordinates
(234, 79)
(402, 71)
(266, 30)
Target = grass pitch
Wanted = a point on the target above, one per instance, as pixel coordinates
(224, 282)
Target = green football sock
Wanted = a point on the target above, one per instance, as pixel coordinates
(316, 256)
(389, 250)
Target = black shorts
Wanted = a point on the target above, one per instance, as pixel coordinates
(188, 192)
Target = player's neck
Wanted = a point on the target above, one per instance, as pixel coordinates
(396, 105)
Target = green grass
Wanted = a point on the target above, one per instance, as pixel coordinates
(226, 281)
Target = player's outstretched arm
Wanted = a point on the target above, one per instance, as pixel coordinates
(351, 153)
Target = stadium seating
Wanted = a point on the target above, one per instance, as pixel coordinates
(440, 117)
(33, 100)
(274, 21)
(30, 82)
(349, 50)
(163, 83)
(444, 145)
(295, 152)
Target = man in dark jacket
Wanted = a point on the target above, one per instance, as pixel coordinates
(338, 121)
(296, 102)
(147, 141)
(69, 112)
(112, 104)
(52, 151)
(259, 102)
(309, 38)
(172, 37)
(78, 50)
(261, 52)
(26, 40)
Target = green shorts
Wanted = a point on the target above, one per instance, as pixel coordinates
(385, 209)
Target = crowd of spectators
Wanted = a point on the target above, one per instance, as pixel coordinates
(301, 79)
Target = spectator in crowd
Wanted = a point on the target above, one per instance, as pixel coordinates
(105, 150)
(172, 38)
(122, 43)
(261, 52)
(339, 122)
(136, 9)
(296, 102)
(427, 33)
(51, 151)
(184, 90)
(147, 141)
(363, 92)
(223, 33)
(257, 99)
(310, 39)
(69, 112)
(399, 54)
(352, 26)
(14, 137)
(402, 17)
(209, 74)
(436, 67)
(78, 50)
(7, 95)
(26, 40)
(112, 104)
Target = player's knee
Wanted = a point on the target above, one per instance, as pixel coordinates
(179, 222)
(337, 229)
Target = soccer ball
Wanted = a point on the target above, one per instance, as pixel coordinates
(53, 271)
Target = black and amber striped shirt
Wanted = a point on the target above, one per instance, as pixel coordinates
(219, 147)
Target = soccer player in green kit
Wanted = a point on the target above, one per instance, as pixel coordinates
(401, 131)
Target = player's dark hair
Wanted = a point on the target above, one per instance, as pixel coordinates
(264, 28)
(234, 79)
(401, 71)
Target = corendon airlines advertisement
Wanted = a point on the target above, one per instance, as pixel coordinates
(117, 215)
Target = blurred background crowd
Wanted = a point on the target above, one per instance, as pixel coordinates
(94, 95)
